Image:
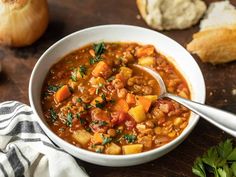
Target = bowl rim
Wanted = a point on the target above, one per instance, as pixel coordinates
(151, 152)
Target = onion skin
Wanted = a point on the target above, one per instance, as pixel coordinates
(22, 22)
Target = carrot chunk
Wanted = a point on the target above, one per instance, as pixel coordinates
(145, 102)
(121, 105)
(101, 69)
(62, 94)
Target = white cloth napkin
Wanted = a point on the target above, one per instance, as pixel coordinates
(25, 150)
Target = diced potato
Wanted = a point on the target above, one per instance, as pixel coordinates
(151, 97)
(146, 61)
(113, 149)
(132, 148)
(126, 72)
(82, 136)
(138, 113)
(95, 81)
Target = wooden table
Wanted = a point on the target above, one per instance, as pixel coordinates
(72, 15)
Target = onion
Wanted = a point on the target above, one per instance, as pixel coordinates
(22, 22)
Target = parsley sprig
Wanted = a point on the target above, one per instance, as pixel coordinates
(130, 138)
(82, 70)
(53, 88)
(106, 140)
(69, 119)
(219, 160)
(74, 75)
(99, 50)
(53, 114)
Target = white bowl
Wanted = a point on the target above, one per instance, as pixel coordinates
(116, 33)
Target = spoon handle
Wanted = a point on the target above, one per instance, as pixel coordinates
(222, 119)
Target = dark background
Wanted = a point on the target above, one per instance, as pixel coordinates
(72, 15)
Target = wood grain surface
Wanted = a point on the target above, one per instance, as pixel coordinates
(72, 15)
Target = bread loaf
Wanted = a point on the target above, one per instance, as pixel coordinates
(216, 40)
(171, 14)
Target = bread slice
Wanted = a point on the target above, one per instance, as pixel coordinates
(171, 14)
(216, 40)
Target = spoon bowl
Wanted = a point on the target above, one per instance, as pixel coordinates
(222, 119)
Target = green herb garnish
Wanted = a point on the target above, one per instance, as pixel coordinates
(99, 48)
(218, 160)
(118, 131)
(112, 101)
(53, 88)
(82, 70)
(100, 85)
(88, 129)
(100, 105)
(106, 140)
(79, 100)
(81, 120)
(99, 123)
(53, 114)
(69, 119)
(87, 106)
(103, 97)
(110, 79)
(95, 60)
(130, 138)
(74, 75)
(98, 150)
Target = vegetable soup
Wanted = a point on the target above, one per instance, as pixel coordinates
(96, 99)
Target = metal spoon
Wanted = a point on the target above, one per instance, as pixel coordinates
(222, 119)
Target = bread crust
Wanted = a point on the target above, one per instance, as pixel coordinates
(216, 45)
(141, 4)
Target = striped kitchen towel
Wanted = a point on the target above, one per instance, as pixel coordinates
(25, 151)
